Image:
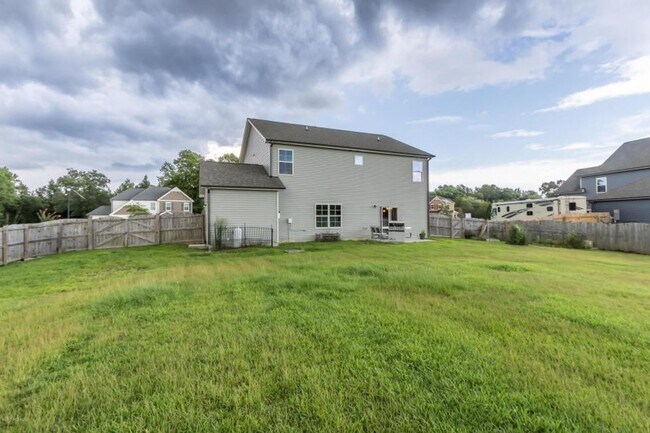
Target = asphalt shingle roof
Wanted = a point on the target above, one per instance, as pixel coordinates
(144, 194)
(101, 210)
(294, 133)
(638, 189)
(234, 175)
(630, 155)
(127, 194)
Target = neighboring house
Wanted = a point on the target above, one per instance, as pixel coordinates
(620, 185)
(442, 205)
(155, 199)
(304, 180)
(535, 209)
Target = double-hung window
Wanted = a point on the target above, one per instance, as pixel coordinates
(328, 215)
(418, 167)
(601, 185)
(285, 161)
(186, 207)
(152, 206)
(168, 206)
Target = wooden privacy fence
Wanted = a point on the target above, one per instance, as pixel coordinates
(628, 237)
(22, 241)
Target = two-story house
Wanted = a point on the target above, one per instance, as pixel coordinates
(442, 205)
(155, 199)
(304, 180)
(620, 185)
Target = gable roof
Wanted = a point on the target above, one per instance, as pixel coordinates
(635, 190)
(281, 132)
(100, 211)
(629, 156)
(152, 193)
(127, 194)
(236, 175)
(442, 199)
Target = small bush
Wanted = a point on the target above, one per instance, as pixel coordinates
(576, 240)
(517, 235)
(469, 234)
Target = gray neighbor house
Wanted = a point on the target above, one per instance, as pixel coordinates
(303, 180)
(620, 185)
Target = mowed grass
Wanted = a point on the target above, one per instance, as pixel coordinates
(351, 336)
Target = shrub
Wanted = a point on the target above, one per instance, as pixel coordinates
(576, 240)
(469, 234)
(517, 235)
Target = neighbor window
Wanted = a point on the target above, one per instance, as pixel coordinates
(417, 171)
(186, 207)
(530, 212)
(549, 208)
(358, 159)
(507, 208)
(285, 161)
(152, 206)
(529, 205)
(499, 209)
(573, 206)
(168, 206)
(601, 184)
(328, 215)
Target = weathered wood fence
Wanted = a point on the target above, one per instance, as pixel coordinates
(23, 241)
(629, 237)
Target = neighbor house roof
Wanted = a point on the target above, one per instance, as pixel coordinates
(100, 211)
(636, 190)
(236, 175)
(304, 134)
(144, 194)
(442, 199)
(629, 156)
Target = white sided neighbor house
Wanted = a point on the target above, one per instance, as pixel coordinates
(304, 181)
(156, 199)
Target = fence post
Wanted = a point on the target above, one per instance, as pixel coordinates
(451, 226)
(25, 242)
(157, 227)
(90, 234)
(5, 245)
(59, 238)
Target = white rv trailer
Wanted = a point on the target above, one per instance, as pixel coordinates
(540, 208)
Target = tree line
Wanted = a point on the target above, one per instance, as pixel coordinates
(478, 201)
(83, 191)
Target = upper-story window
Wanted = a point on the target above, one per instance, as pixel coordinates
(601, 184)
(285, 161)
(152, 206)
(358, 159)
(168, 206)
(186, 206)
(418, 167)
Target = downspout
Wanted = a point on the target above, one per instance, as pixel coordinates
(206, 206)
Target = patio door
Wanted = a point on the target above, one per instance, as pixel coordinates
(388, 215)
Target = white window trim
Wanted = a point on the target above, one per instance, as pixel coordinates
(597, 179)
(413, 171)
(293, 162)
(186, 205)
(328, 216)
(170, 206)
(152, 206)
(355, 160)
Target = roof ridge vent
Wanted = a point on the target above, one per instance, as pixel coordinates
(378, 138)
(306, 127)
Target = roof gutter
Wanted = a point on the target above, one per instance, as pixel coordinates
(350, 149)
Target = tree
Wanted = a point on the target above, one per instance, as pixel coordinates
(183, 173)
(136, 210)
(127, 184)
(91, 185)
(550, 187)
(144, 183)
(229, 157)
(9, 195)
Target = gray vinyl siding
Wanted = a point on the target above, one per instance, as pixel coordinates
(243, 207)
(631, 211)
(330, 177)
(614, 180)
(257, 150)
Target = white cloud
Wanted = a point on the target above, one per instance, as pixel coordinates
(634, 80)
(438, 120)
(636, 126)
(572, 146)
(214, 150)
(517, 133)
(529, 174)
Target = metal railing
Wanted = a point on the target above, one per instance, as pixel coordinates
(242, 236)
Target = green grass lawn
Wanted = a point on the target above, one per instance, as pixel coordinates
(350, 336)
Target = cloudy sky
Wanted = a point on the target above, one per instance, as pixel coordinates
(505, 92)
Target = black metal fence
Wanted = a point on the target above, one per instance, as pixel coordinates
(242, 236)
